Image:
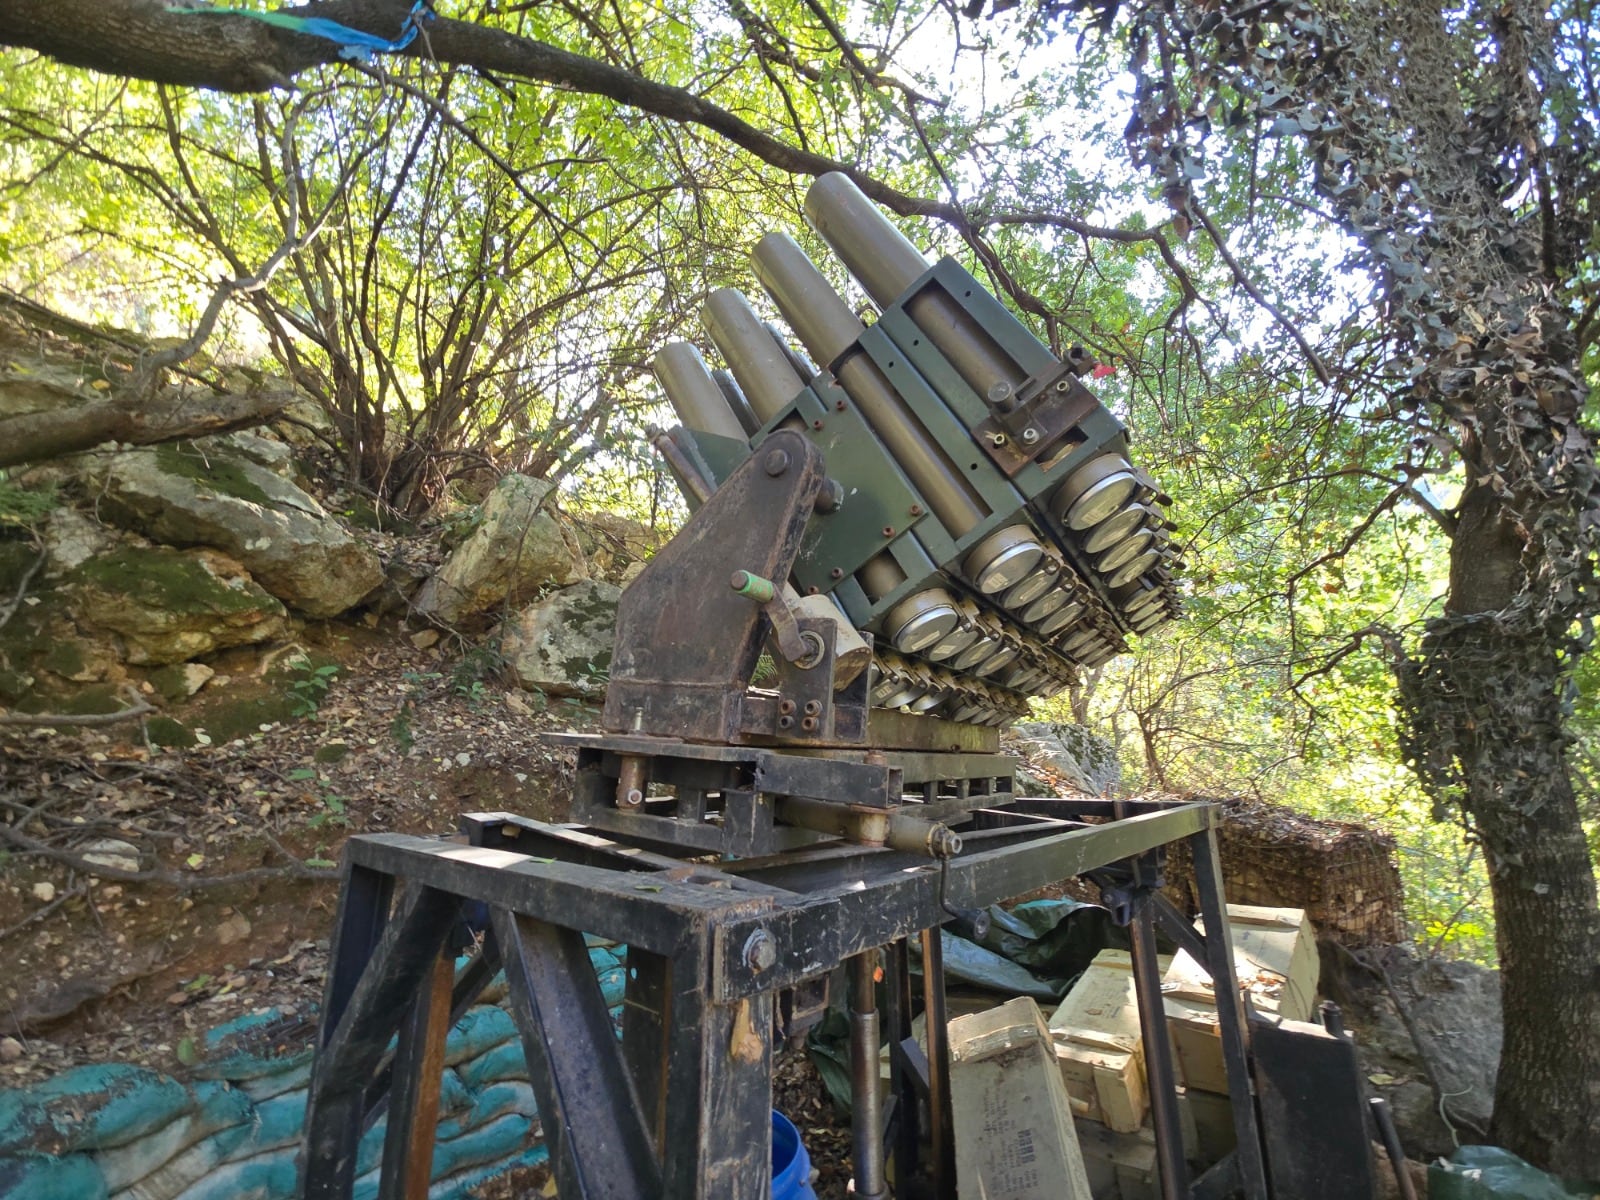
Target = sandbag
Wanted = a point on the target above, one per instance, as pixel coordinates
(45, 1177)
(90, 1108)
(1490, 1173)
(221, 1119)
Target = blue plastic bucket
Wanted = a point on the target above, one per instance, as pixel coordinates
(791, 1165)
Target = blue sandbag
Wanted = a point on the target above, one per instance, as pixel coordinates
(278, 1122)
(490, 1143)
(269, 1176)
(613, 983)
(265, 1087)
(1490, 1173)
(222, 1118)
(256, 1046)
(45, 1177)
(460, 1184)
(189, 1167)
(505, 1061)
(90, 1108)
(478, 1031)
(496, 1100)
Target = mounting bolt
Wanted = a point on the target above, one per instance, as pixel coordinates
(813, 590)
(888, 531)
(916, 510)
(817, 424)
(838, 405)
(1030, 436)
(786, 706)
(776, 462)
(809, 724)
(943, 842)
(836, 573)
(785, 722)
(813, 707)
(1063, 385)
(760, 951)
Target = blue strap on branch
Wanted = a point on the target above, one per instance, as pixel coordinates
(353, 43)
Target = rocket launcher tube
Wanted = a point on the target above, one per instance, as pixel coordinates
(827, 328)
(763, 370)
(695, 396)
(885, 263)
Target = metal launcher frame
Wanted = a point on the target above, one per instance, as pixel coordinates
(749, 822)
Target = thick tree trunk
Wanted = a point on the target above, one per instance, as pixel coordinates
(1496, 713)
(79, 424)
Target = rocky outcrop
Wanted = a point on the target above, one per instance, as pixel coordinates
(617, 547)
(561, 646)
(1085, 760)
(168, 606)
(519, 547)
(215, 493)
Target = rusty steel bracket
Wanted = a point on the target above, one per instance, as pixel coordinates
(687, 644)
(1039, 412)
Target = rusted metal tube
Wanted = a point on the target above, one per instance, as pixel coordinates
(631, 781)
(866, 1102)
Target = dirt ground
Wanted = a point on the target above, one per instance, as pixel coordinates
(150, 893)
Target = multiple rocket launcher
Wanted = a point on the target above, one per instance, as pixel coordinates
(989, 527)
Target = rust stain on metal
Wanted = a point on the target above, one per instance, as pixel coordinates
(747, 1045)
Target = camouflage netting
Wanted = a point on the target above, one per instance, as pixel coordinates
(1344, 876)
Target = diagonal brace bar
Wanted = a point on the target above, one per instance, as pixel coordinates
(353, 1049)
(593, 1124)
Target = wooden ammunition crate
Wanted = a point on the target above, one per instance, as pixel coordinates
(1123, 1166)
(1013, 1125)
(1098, 1044)
(1275, 958)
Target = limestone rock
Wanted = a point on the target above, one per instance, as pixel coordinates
(209, 493)
(267, 452)
(168, 606)
(71, 538)
(110, 852)
(617, 548)
(181, 680)
(1086, 760)
(561, 646)
(520, 546)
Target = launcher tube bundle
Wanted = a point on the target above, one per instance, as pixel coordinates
(984, 521)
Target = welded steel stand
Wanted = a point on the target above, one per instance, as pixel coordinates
(678, 1106)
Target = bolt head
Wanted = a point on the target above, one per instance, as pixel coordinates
(760, 951)
(888, 531)
(836, 573)
(776, 462)
(1030, 436)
